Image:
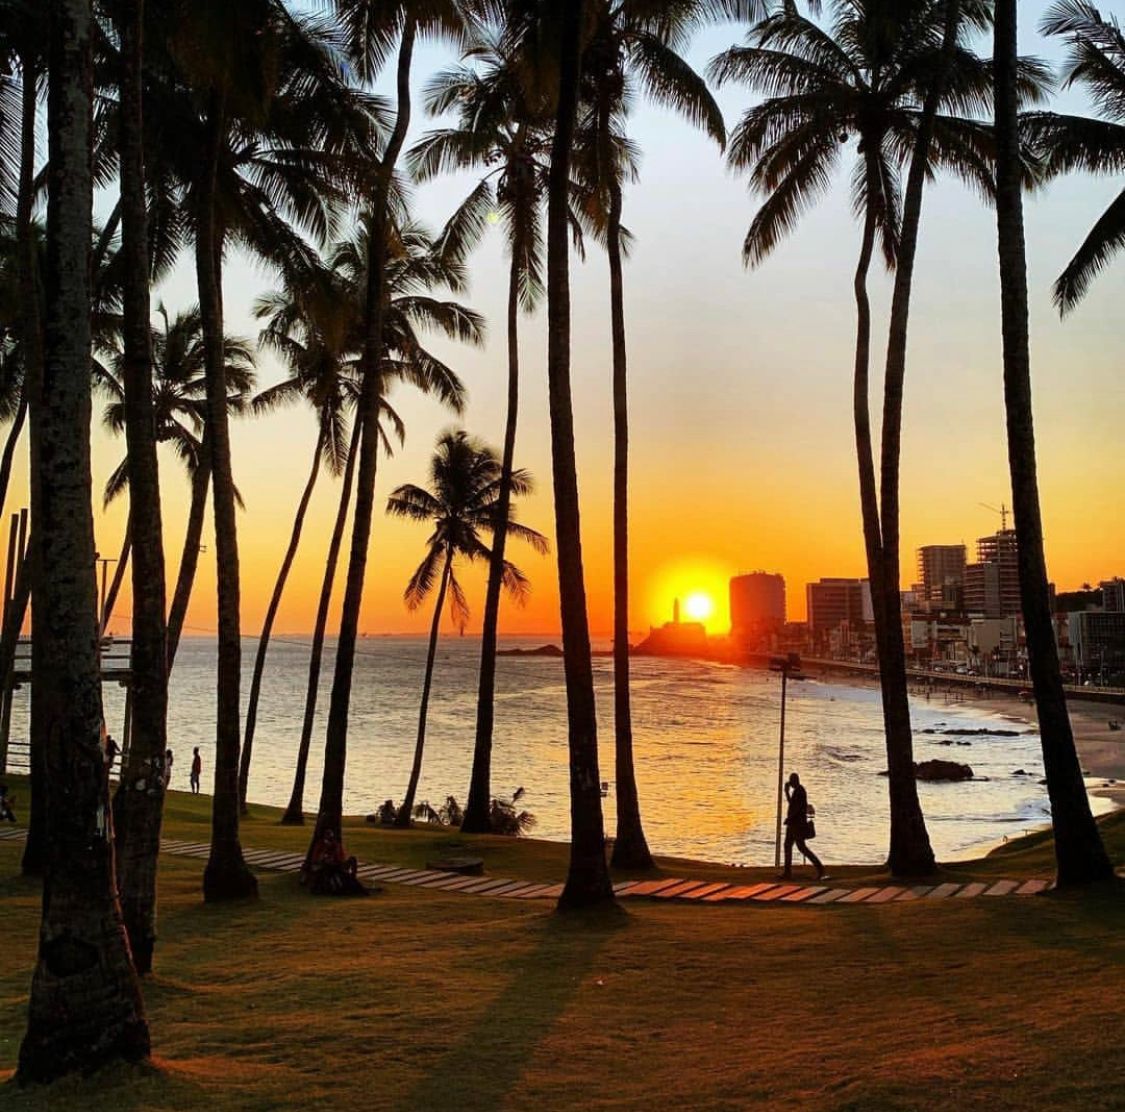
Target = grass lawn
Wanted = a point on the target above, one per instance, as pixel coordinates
(418, 1000)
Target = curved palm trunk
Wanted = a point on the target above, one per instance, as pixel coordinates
(34, 852)
(226, 875)
(336, 735)
(476, 819)
(85, 1008)
(189, 558)
(119, 578)
(630, 848)
(10, 449)
(404, 812)
(267, 625)
(1079, 854)
(295, 811)
(587, 879)
(139, 801)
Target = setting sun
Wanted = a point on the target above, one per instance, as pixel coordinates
(698, 606)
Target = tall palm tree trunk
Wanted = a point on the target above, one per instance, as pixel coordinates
(476, 819)
(331, 806)
(295, 811)
(271, 615)
(630, 848)
(587, 879)
(1079, 854)
(189, 557)
(118, 579)
(404, 812)
(139, 800)
(9, 453)
(226, 875)
(911, 853)
(34, 853)
(85, 1008)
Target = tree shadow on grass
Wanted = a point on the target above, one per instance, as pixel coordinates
(483, 1067)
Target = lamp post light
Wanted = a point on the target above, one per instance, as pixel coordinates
(786, 665)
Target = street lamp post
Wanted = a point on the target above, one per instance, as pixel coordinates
(785, 665)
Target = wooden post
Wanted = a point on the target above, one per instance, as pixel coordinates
(780, 769)
(127, 725)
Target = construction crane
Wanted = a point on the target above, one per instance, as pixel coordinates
(1002, 510)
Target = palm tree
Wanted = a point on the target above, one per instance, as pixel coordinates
(308, 332)
(631, 44)
(465, 478)
(372, 27)
(139, 801)
(1080, 856)
(85, 1008)
(272, 117)
(414, 269)
(500, 132)
(1096, 61)
(868, 78)
(180, 416)
(559, 32)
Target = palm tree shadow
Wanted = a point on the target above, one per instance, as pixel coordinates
(489, 1060)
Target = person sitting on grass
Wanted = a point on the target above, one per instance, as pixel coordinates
(330, 871)
(798, 828)
(6, 812)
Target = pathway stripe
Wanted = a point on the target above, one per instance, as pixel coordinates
(706, 890)
(831, 896)
(1032, 887)
(858, 895)
(1003, 888)
(651, 887)
(802, 894)
(915, 893)
(678, 889)
(971, 890)
(886, 895)
(942, 891)
(775, 892)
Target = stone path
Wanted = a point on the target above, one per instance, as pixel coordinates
(670, 888)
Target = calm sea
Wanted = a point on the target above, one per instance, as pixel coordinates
(705, 737)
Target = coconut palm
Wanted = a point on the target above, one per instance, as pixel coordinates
(465, 479)
(414, 269)
(1079, 853)
(631, 46)
(266, 127)
(867, 78)
(180, 417)
(85, 1009)
(500, 133)
(1096, 62)
(306, 328)
(372, 28)
(552, 36)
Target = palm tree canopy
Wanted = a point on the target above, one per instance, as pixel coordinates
(460, 503)
(1095, 61)
(864, 78)
(179, 388)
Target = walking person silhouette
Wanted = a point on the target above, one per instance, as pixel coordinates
(798, 828)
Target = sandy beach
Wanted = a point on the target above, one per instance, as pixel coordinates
(1101, 750)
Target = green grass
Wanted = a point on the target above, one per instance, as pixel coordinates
(418, 1000)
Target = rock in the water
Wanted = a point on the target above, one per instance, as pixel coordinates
(936, 770)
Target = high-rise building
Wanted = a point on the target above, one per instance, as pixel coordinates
(1113, 595)
(1098, 640)
(982, 591)
(941, 570)
(833, 602)
(1000, 550)
(757, 606)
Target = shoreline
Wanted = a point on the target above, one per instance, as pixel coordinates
(1101, 750)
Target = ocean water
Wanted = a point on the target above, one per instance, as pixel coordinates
(706, 738)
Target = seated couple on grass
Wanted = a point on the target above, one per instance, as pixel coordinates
(329, 871)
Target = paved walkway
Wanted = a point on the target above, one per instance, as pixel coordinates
(669, 888)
